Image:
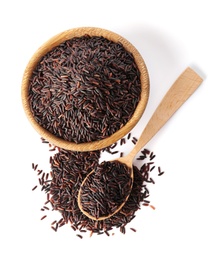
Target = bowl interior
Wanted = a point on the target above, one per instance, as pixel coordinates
(55, 41)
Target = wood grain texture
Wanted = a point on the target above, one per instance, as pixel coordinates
(53, 42)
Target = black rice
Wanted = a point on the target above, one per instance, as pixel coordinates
(106, 189)
(80, 236)
(43, 217)
(34, 188)
(85, 89)
(68, 170)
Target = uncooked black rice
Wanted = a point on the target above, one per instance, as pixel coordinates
(68, 169)
(85, 89)
(106, 189)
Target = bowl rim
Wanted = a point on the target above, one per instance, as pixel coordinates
(60, 38)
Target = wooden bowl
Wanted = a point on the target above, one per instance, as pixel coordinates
(48, 46)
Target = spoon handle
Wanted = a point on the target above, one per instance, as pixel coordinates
(180, 91)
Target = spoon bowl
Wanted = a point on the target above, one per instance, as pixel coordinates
(95, 179)
(180, 91)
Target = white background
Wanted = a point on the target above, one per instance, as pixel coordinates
(170, 35)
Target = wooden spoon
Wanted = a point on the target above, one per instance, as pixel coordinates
(180, 91)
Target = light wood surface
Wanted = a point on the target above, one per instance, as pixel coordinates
(53, 42)
(180, 91)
